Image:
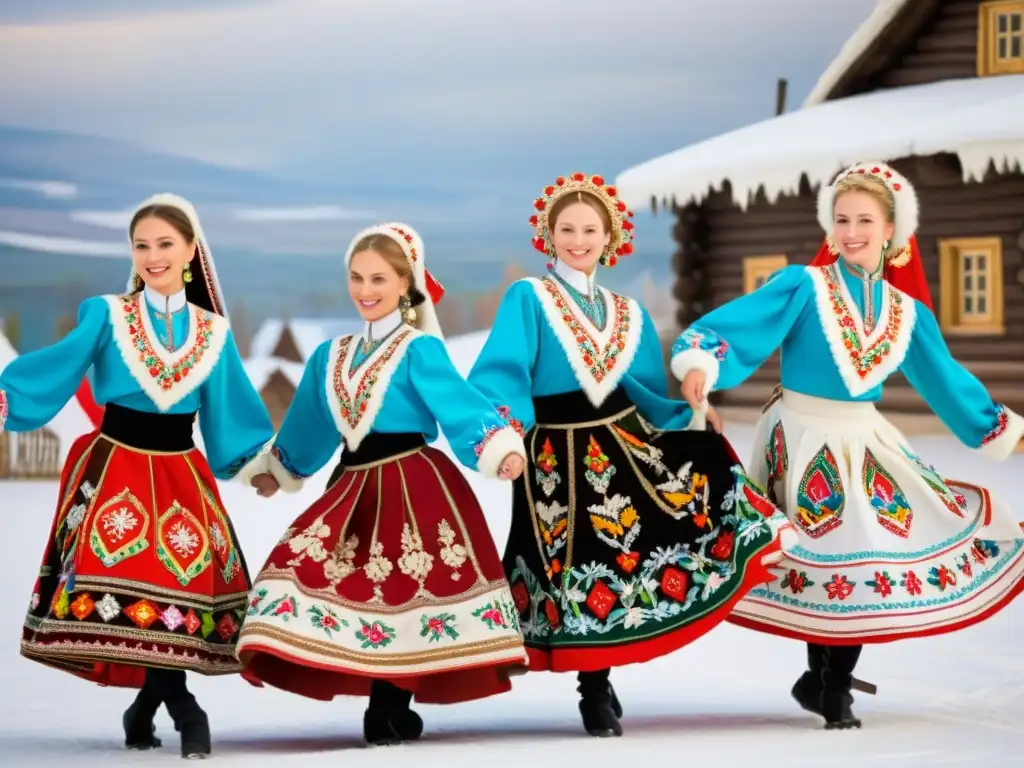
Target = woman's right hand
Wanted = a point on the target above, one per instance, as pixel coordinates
(265, 485)
(692, 390)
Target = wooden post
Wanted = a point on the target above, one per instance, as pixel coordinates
(780, 96)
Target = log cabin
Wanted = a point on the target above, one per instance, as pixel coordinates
(935, 88)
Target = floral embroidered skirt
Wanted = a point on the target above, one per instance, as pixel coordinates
(627, 543)
(888, 548)
(392, 574)
(142, 567)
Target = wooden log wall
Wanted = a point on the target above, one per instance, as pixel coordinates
(949, 209)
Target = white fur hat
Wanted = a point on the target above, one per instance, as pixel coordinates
(904, 203)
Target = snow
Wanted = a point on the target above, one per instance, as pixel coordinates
(308, 333)
(881, 17)
(978, 119)
(956, 700)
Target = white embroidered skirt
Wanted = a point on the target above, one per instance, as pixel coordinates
(888, 549)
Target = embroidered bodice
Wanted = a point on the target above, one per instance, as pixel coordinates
(583, 291)
(821, 317)
(543, 342)
(374, 335)
(125, 340)
(406, 383)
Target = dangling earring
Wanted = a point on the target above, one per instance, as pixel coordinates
(408, 313)
(186, 274)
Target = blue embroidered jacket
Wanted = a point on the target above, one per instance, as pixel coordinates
(134, 345)
(562, 333)
(392, 379)
(843, 333)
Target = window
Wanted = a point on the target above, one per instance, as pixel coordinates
(971, 283)
(1001, 37)
(757, 270)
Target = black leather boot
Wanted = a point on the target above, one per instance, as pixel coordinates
(596, 704)
(189, 719)
(825, 688)
(388, 719)
(139, 730)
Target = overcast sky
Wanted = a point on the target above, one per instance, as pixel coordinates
(471, 89)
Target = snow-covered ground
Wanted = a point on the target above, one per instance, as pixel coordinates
(723, 701)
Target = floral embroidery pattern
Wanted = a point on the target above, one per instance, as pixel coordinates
(954, 503)
(498, 614)
(553, 521)
(820, 495)
(892, 510)
(689, 494)
(1002, 422)
(703, 339)
(374, 635)
(438, 627)
(453, 555)
(166, 375)
(3, 408)
(796, 581)
(615, 522)
(882, 583)
(182, 545)
(415, 562)
(599, 361)
(353, 405)
(546, 475)
(593, 599)
(340, 563)
(120, 529)
(863, 357)
(599, 469)
(839, 588)
(326, 619)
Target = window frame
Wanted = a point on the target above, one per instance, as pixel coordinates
(988, 13)
(951, 283)
(761, 266)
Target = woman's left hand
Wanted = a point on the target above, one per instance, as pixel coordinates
(511, 467)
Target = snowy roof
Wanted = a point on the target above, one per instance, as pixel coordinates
(874, 26)
(308, 333)
(260, 369)
(978, 119)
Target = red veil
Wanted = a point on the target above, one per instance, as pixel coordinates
(909, 278)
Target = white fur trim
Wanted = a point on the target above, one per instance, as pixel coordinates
(165, 399)
(183, 205)
(1002, 447)
(833, 333)
(499, 445)
(905, 197)
(696, 360)
(355, 434)
(596, 391)
(289, 483)
(257, 465)
(426, 314)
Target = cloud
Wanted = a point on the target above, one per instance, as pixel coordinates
(343, 88)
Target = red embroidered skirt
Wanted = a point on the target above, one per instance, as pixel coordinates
(392, 574)
(141, 567)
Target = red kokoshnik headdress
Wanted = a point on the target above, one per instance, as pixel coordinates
(903, 266)
(621, 243)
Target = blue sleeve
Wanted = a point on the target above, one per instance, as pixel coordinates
(478, 434)
(232, 417)
(648, 366)
(503, 371)
(955, 395)
(731, 342)
(37, 385)
(309, 436)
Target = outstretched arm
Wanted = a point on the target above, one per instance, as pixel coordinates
(955, 395)
(503, 371)
(36, 386)
(478, 434)
(731, 342)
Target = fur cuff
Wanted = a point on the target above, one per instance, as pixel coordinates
(289, 483)
(257, 465)
(696, 360)
(496, 445)
(1002, 441)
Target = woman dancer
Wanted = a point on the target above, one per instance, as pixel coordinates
(389, 585)
(626, 542)
(889, 549)
(142, 578)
